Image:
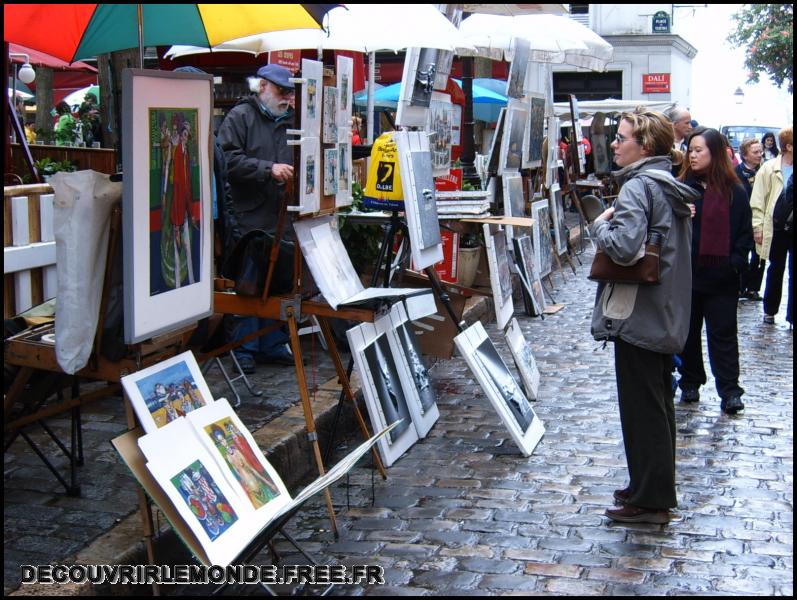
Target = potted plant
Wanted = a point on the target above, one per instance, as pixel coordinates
(47, 167)
(470, 245)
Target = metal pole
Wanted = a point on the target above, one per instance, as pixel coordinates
(140, 14)
(370, 102)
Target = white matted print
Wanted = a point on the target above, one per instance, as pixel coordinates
(541, 233)
(167, 391)
(495, 145)
(417, 84)
(517, 71)
(248, 472)
(330, 119)
(524, 359)
(552, 173)
(197, 487)
(419, 198)
(579, 135)
(558, 218)
(514, 202)
(415, 379)
(382, 391)
(500, 277)
(166, 201)
(513, 137)
(330, 171)
(343, 196)
(535, 127)
(503, 391)
(345, 70)
(310, 176)
(439, 128)
(312, 91)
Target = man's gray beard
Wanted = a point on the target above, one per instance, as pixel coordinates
(272, 104)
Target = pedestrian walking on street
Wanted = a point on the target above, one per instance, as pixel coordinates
(774, 242)
(722, 237)
(648, 324)
(752, 153)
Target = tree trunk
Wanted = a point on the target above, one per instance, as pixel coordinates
(44, 104)
(110, 80)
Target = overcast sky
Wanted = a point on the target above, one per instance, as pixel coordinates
(718, 70)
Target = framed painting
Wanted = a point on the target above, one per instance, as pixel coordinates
(382, 390)
(414, 376)
(580, 165)
(513, 138)
(247, 470)
(312, 97)
(330, 171)
(501, 387)
(439, 128)
(500, 277)
(495, 145)
(561, 234)
(517, 71)
(524, 359)
(541, 235)
(345, 73)
(198, 488)
(532, 147)
(530, 278)
(167, 218)
(343, 196)
(330, 117)
(514, 202)
(310, 176)
(167, 391)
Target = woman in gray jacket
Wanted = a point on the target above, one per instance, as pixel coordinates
(648, 324)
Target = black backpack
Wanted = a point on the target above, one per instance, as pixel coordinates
(784, 206)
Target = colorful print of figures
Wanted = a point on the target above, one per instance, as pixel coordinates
(205, 500)
(309, 176)
(170, 394)
(174, 199)
(312, 89)
(238, 455)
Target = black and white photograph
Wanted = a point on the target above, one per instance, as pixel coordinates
(514, 202)
(541, 235)
(500, 277)
(532, 286)
(414, 376)
(517, 71)
(494, 156)
(558, 214)
(423, 83)
(532, 150)
(382, 390)
(524, 359)
(501, 387)
(513, 138)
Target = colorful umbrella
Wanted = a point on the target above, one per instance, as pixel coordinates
(75, 31)
(76, 98)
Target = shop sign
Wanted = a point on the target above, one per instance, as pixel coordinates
(656, 83)
(661, 22)
(383, 187)
(290, 59)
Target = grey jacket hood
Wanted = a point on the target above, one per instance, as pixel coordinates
(653, 317)
(658, 168)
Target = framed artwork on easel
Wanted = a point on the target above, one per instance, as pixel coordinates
(166, 213)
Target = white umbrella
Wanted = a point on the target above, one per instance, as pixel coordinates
(552, 38)
(358, 27)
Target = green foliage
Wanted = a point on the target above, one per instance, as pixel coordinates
(47, 166)
(469, 187)
(361, 241)
(768, 32)
(470, 240)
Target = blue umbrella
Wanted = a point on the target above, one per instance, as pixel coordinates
(483, 99)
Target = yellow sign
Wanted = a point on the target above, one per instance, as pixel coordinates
(383, 187)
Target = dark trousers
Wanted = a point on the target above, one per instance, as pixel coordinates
(647, 416)
(719, 313)
(754, 274)
(779, 251)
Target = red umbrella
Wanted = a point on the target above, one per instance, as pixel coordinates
(74, 31)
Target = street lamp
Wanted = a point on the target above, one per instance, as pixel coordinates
(26, 74)
(738, 95)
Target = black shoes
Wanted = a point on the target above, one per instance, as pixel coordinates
(637, 514)
(769, 319)
(690, 395)
(622, 496)
(732, 405)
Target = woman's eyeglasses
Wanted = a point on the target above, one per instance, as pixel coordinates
(621, 138)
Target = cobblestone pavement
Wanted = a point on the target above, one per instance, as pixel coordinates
(462, 512)
(41, 525)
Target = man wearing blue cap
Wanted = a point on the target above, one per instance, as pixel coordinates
(259, 163)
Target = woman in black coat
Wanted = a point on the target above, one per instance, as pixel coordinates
(722, 237)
